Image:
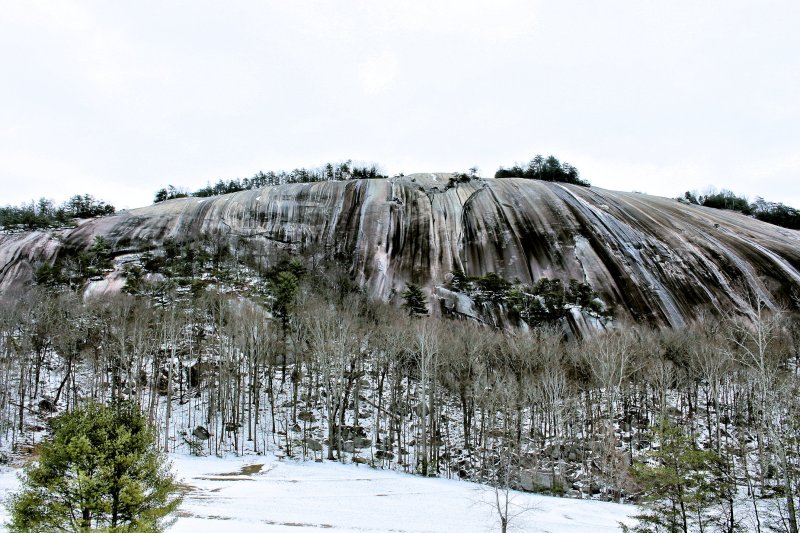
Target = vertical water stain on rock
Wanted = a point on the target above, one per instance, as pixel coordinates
(650, 258)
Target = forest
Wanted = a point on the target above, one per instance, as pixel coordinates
(341, 171)
(773, 212)
(546, 169)
(228, 354)
(46, 214)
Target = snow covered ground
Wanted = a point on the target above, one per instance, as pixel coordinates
(263, 493)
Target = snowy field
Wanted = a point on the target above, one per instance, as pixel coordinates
(262, 493)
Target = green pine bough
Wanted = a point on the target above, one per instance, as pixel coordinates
(100, 470)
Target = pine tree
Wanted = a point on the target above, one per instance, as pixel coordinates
(99, 470)
(414, 300)
(285, 289)
(679, 482)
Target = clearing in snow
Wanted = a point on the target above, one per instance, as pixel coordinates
(264, 493)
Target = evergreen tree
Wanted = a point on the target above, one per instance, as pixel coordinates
(161, 195)
(99, 470)
(414, 300)
(285, 289)
(680, 483)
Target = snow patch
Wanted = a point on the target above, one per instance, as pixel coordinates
(264, 493)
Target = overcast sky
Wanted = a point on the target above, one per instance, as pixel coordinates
(119, 99)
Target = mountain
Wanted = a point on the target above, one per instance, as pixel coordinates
(650, 259)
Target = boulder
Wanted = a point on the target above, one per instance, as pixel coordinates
(201, 433)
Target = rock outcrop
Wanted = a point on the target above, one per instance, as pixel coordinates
(651, 259)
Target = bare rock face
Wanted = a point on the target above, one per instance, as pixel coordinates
(651, 259)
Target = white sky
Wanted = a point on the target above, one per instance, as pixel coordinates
(119, 99)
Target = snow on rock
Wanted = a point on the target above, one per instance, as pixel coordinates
(457, 302)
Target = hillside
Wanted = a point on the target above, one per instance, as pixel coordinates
(253, 323)
(650, 259)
